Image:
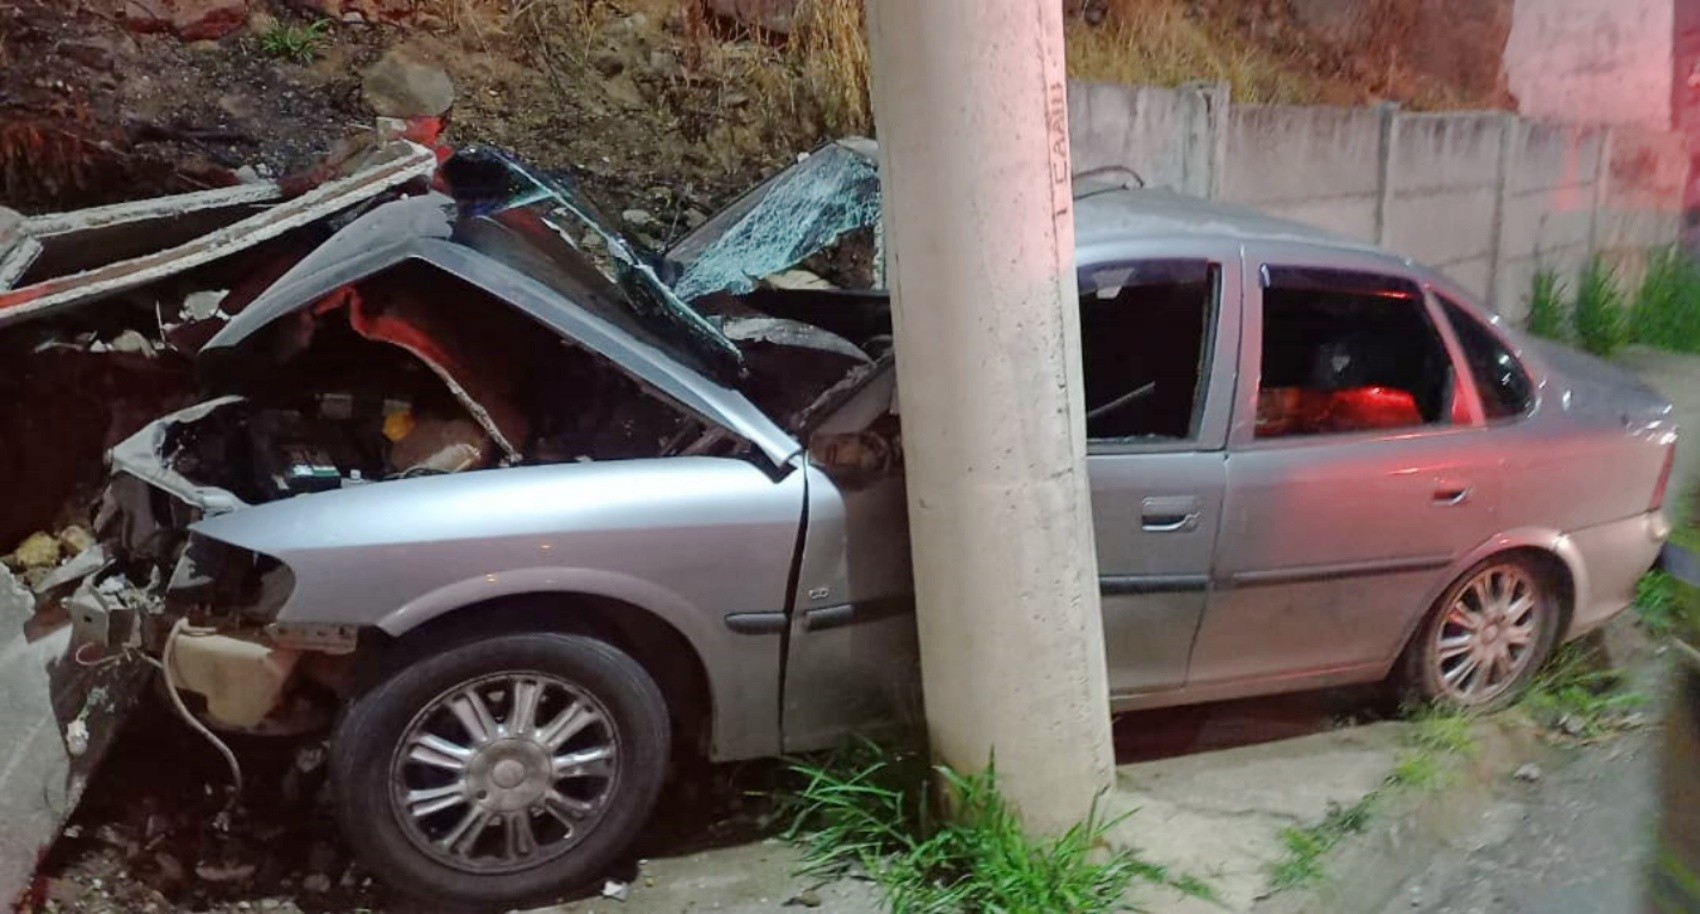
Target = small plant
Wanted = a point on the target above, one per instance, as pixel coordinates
(1549, 314)
(1305, 847)
(1436, 734)
(1578, 695)
(1602, 325)
(869, 807)
(1666, 310)
(297, 43)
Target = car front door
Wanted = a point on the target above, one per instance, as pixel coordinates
(1358, 470)
(1160, 337)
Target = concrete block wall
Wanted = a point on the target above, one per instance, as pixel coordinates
(1321, 166)
(1442, 193)
(1551, 190)
(1488, 198)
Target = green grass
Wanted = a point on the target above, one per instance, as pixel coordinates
(1666, 309)
(871, 807)
(1549, 313)
(297, 43)
(1660, 603)
(1436, 736)
(1601, 321)
(1305, 847)
(1576, 693)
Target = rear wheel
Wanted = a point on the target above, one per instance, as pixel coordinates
(1485, 638)
(503, 770)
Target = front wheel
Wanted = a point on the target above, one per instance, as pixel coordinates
(503, 770)
(1485, 638)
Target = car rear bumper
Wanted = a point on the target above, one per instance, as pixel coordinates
(1613, 557)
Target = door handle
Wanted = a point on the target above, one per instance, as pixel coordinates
(1449, 495)
(1170, 513)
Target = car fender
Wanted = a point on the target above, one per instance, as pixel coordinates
(692, 540)
(689, 620)
(1540, 539)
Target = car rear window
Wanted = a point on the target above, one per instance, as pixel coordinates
(1504, 387)
(1348, 352)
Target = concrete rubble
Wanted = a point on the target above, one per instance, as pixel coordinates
(132, 288)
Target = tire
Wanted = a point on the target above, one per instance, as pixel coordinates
(442, 812)
(1512, 601)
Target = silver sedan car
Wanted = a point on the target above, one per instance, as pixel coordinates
(529, 512)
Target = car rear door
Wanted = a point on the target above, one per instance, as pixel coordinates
(1358, 470)
(1160, 335)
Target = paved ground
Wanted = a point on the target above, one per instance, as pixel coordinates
(1573, 843)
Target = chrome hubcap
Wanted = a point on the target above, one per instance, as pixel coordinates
(504, 772)
(1488, 634)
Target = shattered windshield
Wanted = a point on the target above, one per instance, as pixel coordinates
(800, 211)
(489, 185)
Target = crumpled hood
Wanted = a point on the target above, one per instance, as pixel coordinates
(1581, 383)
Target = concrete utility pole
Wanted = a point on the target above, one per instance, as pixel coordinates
(973, 128)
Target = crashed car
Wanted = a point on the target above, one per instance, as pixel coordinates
(520, 512)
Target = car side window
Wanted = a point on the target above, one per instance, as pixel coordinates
(1348, 352)
(1504, 387)
(1146, 330)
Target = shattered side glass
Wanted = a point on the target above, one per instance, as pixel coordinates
(487, 183)
(798, 212)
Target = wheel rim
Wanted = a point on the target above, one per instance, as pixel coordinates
(504, 772)
(1488, 635)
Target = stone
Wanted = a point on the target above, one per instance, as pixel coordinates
(638, 219)
(399, 85)
(318, 883)
(1528, 773)
(190, 20)
(76, 540)
(770, 15)
(41, 550)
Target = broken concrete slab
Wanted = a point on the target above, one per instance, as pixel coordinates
(390, 167)
(1219, 815)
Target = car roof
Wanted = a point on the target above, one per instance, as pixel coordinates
(1110, 213)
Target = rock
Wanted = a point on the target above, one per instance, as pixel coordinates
(318, 883)
(665, 63)
(638, 219)
(808, 898)
(190, 20)
(261, 22)
(235, 872)
(695, 217)
(608, 62)
(238, 105)
(772, 15)
(399, 85)
(1529, 773)
(41, 550)
(76, 540)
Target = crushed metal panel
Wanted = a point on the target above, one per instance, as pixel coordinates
(798, 212)
(396, 165)
(142, 455)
